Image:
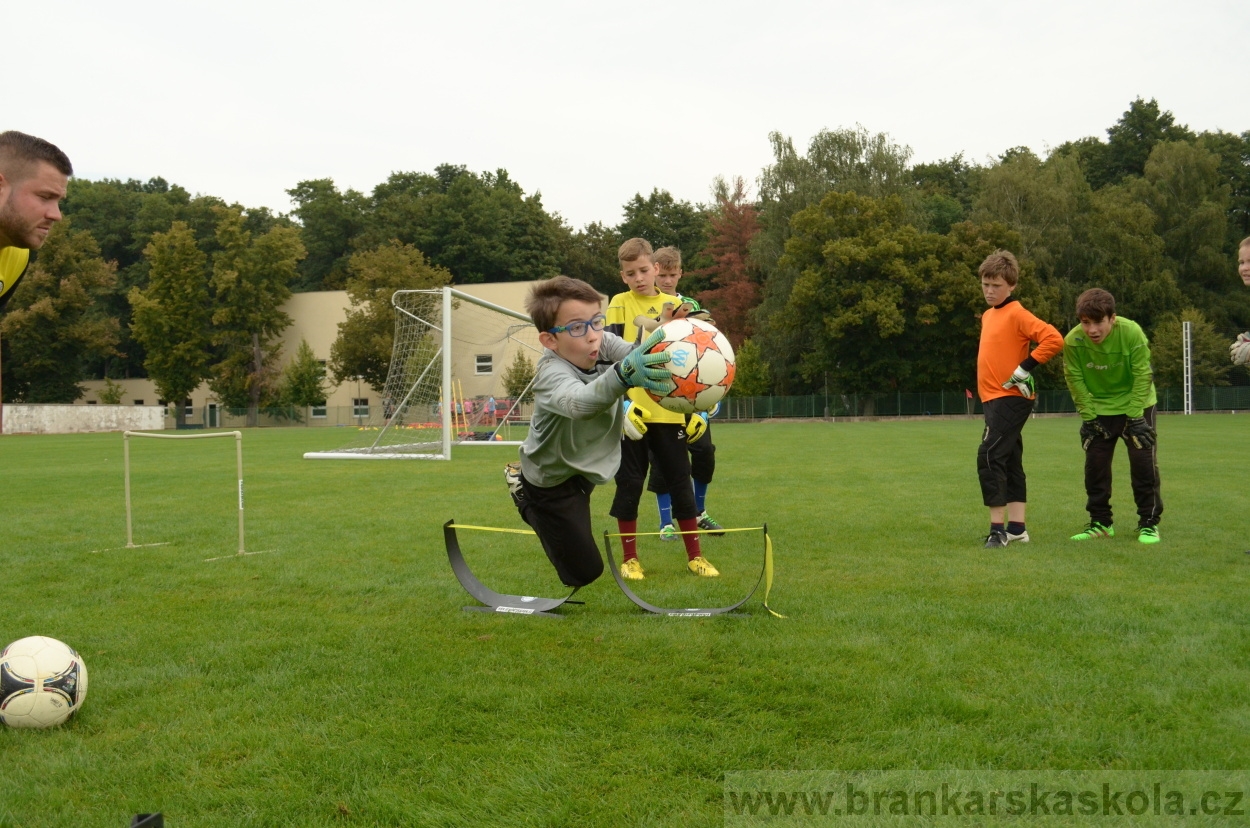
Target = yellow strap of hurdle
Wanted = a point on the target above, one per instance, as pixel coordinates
(768, 573)
(493, 529)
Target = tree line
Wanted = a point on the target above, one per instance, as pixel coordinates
(845, 267)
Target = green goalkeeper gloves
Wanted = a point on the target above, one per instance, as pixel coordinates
(1022, 381)
(1092, 430)
(638, 369)
(1140, 434)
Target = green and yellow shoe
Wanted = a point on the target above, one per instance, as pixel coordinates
(1094, 530)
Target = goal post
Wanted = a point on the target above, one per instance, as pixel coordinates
(445, 386)
(238, 454)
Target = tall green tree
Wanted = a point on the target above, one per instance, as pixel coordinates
(843, 160)
(363, 347)
(1132, 139)
(172, 316)
(879, 305)
(330, 220)
(54, 324)
(303, 379)
(1182, 186)
(481, 228)
(518, 376)
(251, 281)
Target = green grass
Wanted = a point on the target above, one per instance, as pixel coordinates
(336, 680)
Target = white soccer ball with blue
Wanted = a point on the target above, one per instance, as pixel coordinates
(42, 682)
(702, 362)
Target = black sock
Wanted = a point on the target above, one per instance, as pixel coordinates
(1014, 528)
(996, 527)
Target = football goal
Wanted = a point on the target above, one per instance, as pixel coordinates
(460, 375)
(238, 458)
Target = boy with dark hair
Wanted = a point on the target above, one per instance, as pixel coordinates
(33, 178)
(698, 426)
(656, 431)
(1106, 362)
(574, 440)
(1005, 383)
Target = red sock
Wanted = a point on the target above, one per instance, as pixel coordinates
(691, 540)
(629, 541)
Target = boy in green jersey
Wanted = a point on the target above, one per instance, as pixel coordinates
(1106, 362)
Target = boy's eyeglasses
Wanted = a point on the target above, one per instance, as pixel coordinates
(579, 327)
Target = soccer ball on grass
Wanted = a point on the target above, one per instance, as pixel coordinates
(42, 682)
(702, 362)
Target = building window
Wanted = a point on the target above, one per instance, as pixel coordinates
(484, 364)
(360, 406)
(138, 402)
(319, 411)
(189, 410)
(90, 402)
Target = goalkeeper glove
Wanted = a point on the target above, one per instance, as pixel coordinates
(1092, 430)
(1239, 351)
(1139, 433)
(637, 369)
(1022, 381)
(696, 426)
(635, 419)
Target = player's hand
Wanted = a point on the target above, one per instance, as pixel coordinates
(1239, 351)
(635, 419)
(1092, 430)
(1140, 434)
(646, 323)
(1022, 381)
(696, 426)
(668, 313)
(639, 368)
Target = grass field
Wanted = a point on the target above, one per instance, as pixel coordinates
(336, 681)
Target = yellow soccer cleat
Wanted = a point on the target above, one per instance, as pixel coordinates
(700, 565)
(631, 570)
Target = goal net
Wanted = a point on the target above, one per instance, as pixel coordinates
(447, 383)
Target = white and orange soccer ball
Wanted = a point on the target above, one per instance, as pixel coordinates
(42, 682)
(702, 362)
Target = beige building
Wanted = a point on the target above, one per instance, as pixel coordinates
(478, 360)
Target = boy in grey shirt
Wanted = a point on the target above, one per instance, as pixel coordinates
(574, 441)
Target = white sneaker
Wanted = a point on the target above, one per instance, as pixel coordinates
(1023, 537)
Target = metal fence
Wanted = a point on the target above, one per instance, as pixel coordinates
(948, 403)
(814, 406)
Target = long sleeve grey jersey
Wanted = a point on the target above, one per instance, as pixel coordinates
(576, 425)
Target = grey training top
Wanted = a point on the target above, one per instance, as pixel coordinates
(576, 426)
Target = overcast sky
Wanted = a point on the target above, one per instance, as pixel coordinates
(590, 102)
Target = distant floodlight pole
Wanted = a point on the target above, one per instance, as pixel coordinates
(238, 453)
(1187, 361)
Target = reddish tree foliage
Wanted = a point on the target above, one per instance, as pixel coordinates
(735, 275)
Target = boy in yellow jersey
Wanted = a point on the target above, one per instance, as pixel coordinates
(33, 178)
(664, 437)
(698, 426)
(1005, 383)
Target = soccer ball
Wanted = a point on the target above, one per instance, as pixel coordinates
(702, 362)
(42, 682)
